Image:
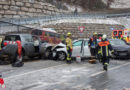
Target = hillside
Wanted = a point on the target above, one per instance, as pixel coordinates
(91, 5)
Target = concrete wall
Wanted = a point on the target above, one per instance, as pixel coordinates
(89, 29)
(26, 8)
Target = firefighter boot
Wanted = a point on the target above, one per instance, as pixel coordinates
(68, 62)
(105, 67)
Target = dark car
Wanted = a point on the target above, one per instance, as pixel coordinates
(121, 49)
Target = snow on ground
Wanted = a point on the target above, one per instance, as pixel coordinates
(98, 21)
(72, 8)
(121, 4)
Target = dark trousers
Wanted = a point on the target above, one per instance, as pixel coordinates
(69, 54)
(105, 60)
(36, 48)
(93, 51)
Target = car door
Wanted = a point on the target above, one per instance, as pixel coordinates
(86, 52)
(77, 51)
(28, 45)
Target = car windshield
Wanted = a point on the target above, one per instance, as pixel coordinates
(117, 42)
(77, 43)
(27, 38)
(12, 37)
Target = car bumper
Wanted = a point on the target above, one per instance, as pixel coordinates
(121, 54)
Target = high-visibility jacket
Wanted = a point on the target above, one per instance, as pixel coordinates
(0, 43)
(103, 47)
(92, 43)
(19, 47)
(69, 42)
(127, 40)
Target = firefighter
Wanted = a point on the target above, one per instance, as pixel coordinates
(93, 44)
(36, 44)
(18, 62)
(103, 48)
(69, 47)
(1, 44)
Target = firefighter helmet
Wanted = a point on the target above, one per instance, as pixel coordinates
(95, 33)
(104, 36)
(68, 34)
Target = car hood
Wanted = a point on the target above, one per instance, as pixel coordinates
(60, 44)
(121, 47)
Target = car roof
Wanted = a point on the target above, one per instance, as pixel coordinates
(114, 39)
(18, 34)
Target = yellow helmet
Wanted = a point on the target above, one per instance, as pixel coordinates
(68, 34)
(95, 33)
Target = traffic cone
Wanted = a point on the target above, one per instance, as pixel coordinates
(2, 83)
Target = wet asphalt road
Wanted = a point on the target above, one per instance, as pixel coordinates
(52, 75)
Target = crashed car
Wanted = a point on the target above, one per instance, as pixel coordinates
(28, 49)
(121, 49)
(80, 48)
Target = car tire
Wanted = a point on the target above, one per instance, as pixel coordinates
(47, 54)
(31, 57)
(61, 55)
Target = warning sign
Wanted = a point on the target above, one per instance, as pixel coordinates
(81, 28)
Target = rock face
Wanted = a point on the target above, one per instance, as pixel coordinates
(26, 8)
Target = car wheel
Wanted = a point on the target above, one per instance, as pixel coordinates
(47, 54)
(61, 56)
(31, 57)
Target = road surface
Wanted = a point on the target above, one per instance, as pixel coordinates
(52, 75)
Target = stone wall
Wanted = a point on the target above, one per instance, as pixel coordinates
(89, 29)
(26, 8)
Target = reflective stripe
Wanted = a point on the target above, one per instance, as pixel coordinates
(106, 63)
(101, 50)
(107, 50)
(68, 57)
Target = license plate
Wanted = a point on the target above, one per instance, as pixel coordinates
(54, 54)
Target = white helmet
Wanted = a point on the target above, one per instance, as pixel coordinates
(104, 36)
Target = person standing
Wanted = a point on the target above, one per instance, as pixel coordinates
(69, 47)
(103, 49)
(92, 43)
(36, 44)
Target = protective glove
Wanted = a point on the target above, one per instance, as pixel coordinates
(112, 52)
(71, 49)
(67, 48)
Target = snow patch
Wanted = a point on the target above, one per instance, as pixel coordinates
(120, 4)
(73, 7)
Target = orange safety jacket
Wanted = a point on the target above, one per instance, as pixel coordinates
(104, 47)
(19, 47)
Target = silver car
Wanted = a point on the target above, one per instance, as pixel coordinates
(27, 42)
(80, 48)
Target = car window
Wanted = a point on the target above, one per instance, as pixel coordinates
(117, 42)
(120, 32)
(36, 32)
(115, 32)
(12, 38)
(86, 43)
(47, 34)
(52, 34)
(77, 43)
(28, 38)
